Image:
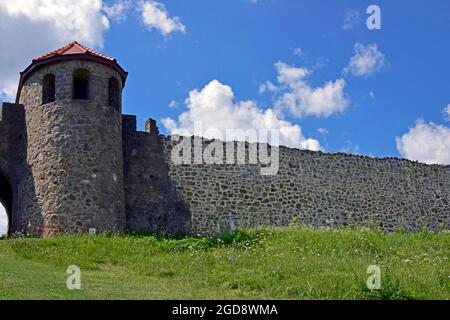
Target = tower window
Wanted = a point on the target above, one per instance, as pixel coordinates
(48, 89)
(113, 94)
(81, 84)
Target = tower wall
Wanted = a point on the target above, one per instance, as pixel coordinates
(74, 151)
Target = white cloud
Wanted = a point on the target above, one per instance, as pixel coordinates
(267, 87)
(303, 99)
(426, 142)
(447, 112)
(215, 108)
(366, 61)
(352, 18)
(288, 74)
(3, 221)
(350, 148)
(322, 131)
(28, 30)
(118, 10)
(155, 16)
(297, 52)
(173, 104)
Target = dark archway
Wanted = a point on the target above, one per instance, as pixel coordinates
(81, 84)
(6, 198)
(48, 89)
(114, 93)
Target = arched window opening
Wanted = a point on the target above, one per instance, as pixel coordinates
(6, 201)
(114, 94)
(81, 84)
(48, 89)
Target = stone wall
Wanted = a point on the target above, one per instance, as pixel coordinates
(152, 200)
(315, 188)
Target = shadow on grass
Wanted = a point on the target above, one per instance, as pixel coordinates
(243, 238)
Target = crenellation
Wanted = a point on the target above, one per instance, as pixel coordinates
(151, 127)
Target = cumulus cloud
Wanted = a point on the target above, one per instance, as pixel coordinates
(303, 99)
(288, 74)
(366, 61)
(156, 16)
(297, 52)
(3, 221)
(447, 112)
(118, 10)
(267, 87)
(214, 107)
(28, 30)
(426, 142)
(351, 19)
(173, 104)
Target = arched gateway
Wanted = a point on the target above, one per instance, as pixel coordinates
(6, 198)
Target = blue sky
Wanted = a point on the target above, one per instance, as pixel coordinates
(375, 92)
(238, 43)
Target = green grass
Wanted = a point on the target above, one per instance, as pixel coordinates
(285, 263)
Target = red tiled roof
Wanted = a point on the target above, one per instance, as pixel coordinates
(73, 49)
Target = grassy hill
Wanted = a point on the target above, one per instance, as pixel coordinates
(285, 263)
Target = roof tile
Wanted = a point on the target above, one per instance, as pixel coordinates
(73, 49)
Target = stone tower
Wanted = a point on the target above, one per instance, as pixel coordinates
(74, 178)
